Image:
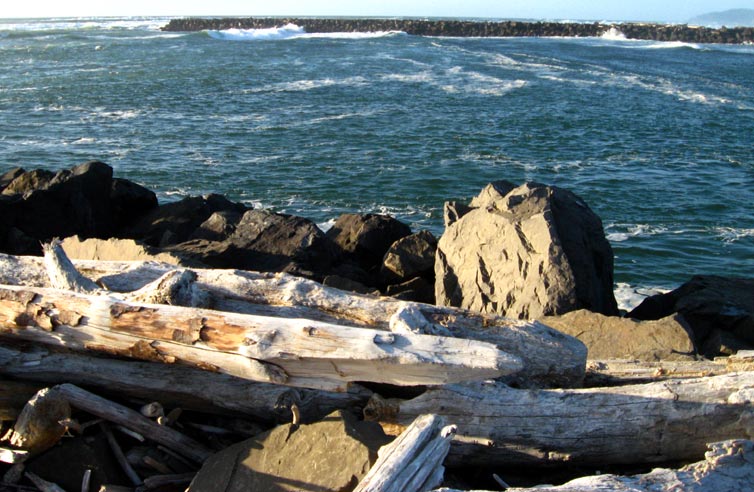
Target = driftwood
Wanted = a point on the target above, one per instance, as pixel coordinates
(649, 423)
(619, 371)
(175, 386)
(296, 352)
(132, 419)
(550, 358)
(728, 466)
(413, 461)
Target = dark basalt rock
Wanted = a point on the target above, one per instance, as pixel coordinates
(410, 257)
(130, 201)
(714, 307)
(366, 238)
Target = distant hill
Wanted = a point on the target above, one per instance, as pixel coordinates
(727, 18)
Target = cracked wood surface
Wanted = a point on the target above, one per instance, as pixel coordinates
(296, 352)
(648, 423)
(550, 358)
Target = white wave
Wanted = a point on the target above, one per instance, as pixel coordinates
(307, 85)
(87, 23)
(664, 45)
(83, 141)
(291, 31)
(625, 232)
(628, 297)
(614, 34)
(456, 80)
(733, 234)
(326, 225)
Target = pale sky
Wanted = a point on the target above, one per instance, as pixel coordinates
(648, 10)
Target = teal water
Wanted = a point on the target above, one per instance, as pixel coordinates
(657, 137)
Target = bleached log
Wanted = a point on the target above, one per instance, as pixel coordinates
(550, 358)
(175, 386)
(620, 371)
(407, 463)
(649, 423)
(296, 352)
(727, 466)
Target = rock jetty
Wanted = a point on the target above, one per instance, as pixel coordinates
(461, 28)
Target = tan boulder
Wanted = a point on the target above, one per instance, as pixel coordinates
(332, 455)
(116, 250)
(611, 337)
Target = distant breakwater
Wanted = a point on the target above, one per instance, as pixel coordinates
(459, 28)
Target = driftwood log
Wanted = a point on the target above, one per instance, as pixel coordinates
(413, 461)
(649, 423)
(550, 358)
(728, 466)
(296, 352)
(174, 386)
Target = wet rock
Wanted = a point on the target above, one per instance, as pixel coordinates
(366, 238)
(528, 252)
(612, 337)
(331, 455)
(711, 305)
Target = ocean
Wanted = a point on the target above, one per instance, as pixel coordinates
(658, 138)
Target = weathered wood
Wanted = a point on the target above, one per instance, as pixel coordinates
(39, 426)
(43, 485)
(620, 371)
(649, 423)
(120, 457)
(296, 352)
(175, 386)
(727, 466)
(550, 358)
(409, 462)
(132, 419)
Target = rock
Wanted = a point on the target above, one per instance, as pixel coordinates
(25, 181)
(130, 201)
(331, 455)
(409, 257)
(452, 211)
(75, 201)
(366, 238)
(175, 222)
(116, 250)
(532, 251)
(267, 242)
(416, 289)
(612, 337)
(9, 176)
(219, 226)
(711, 305)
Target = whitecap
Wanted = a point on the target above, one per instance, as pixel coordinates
(625, 232)
(326, 225)
(614, 34)
(733, 234)
(291, 31)
(84, 141)
(628, 296)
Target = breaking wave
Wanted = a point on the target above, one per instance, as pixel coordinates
(291, 31)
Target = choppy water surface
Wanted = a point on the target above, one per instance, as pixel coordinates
(657, 137)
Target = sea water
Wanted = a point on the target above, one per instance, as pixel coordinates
(656, 137)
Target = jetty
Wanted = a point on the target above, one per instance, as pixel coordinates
(468, 28)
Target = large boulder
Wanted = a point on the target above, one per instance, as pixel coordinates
(268, 242)
(332, 455)
(42, 206)
(526, 252)
(715, 308)
(116, 250)
(366, 238)
(612, 337)
(38, 205)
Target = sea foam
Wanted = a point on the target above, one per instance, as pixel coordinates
(291, 31)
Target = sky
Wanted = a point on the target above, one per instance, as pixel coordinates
(616, 10)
